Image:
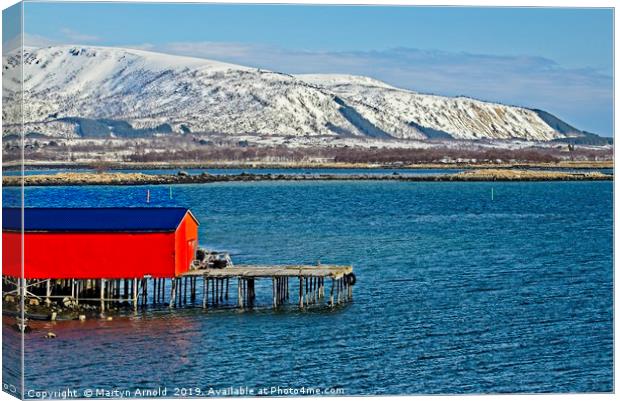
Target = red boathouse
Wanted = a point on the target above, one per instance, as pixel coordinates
(99, 243)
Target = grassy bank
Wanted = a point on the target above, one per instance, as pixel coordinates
(104, 166)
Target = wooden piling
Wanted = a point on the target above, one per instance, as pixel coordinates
(144, 292)
(204, 291)
(102, 295)
(286, 285)
(173, 286)
(274, 292)
(193, 296)
(239, 297)
(48, 292)
(350, 292)
(251, 291)
(134, 293)
(163, 290)
(301, 292)
(213, 284)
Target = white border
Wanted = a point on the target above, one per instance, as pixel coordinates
(483, 3)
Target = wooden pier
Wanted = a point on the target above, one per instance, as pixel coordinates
(216, 283)
(231, 286)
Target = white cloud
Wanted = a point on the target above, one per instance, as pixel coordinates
(30, 40)
(77, 37)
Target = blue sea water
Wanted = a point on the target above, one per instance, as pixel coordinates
(456, 292)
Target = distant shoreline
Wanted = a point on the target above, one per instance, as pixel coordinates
(73, 179)
(574, 165)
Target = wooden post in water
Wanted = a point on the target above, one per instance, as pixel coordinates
(306, 294)
(282, 296)
(204, 291)
(339, 290)
(286, 288)
(145, 291)
(246, 299)
(163, 290)
(158, 293)
(301, 292)
(227, 289)
(134, 293)
(331, 293)
(350, 288)
(315, 290)
(213, 283)
(173, 287)
(192, 294)
(48, 292)
(239, 297)
(248, 291)
(274, 292)
(102, 295)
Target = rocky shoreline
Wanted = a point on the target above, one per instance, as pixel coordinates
(258, 165)
(66, 179)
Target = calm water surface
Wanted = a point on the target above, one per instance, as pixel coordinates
(456, 293)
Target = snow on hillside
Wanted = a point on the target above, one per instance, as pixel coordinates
(148, 89)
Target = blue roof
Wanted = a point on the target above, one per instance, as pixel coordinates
(133, 219)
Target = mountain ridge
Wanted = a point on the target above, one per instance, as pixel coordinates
(147, 90)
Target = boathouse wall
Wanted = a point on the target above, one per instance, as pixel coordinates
(163, 252)
(185, 245)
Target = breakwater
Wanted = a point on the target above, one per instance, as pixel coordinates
(184, 178)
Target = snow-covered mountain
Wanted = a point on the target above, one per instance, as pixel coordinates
(90, 91)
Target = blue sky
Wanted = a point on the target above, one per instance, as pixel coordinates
(557, 59)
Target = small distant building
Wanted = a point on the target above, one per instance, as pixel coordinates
(94, 243)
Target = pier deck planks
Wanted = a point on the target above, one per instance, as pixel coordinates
(257, 271)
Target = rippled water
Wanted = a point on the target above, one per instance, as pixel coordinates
(456, 293)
